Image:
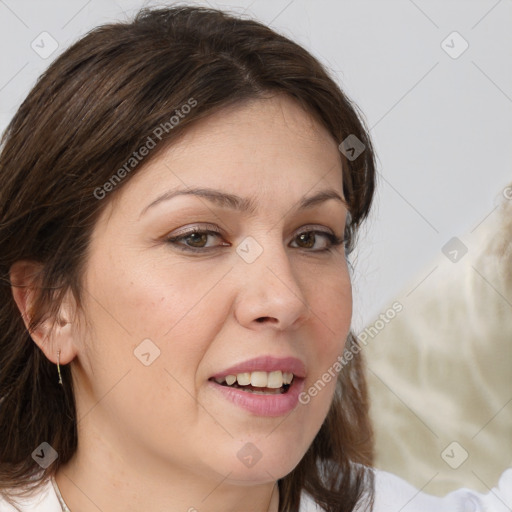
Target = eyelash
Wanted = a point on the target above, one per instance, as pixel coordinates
(334, 241)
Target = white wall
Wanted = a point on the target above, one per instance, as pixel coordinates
(441, 126)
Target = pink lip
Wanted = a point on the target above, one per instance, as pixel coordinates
(263, 405)
(266, 364)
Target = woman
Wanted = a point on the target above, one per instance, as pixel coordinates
(180, 196)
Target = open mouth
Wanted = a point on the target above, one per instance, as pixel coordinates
(258, 382)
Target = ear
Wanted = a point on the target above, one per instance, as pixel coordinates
(53, 334)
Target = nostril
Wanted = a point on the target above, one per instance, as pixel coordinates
(265, 319)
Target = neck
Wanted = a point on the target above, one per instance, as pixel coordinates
(93, 480)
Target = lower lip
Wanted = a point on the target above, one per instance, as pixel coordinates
(264, 405)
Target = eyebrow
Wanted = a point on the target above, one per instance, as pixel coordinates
(238, 203)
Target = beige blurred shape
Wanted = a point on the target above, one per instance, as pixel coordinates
(440, 373)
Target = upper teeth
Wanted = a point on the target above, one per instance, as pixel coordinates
(258, 379)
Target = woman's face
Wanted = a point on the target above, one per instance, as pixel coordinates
(258, 291)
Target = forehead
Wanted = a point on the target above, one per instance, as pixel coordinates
(256, 130)
(257, 148)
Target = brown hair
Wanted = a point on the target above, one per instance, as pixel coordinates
(65, 148)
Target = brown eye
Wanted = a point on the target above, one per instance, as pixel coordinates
(307, 240)
(316, 240)
(197, 239)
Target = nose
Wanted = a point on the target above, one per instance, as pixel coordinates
(270, 295)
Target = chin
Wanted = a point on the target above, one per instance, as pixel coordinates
(265, 460)
(261, 473)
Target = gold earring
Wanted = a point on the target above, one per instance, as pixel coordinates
(58, 367)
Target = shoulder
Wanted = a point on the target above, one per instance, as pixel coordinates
(44, 500)
(393, 494)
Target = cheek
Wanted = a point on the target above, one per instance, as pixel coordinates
(151, 297)
(178, 307)
(331, 305)
(330, 302)
(180, 311)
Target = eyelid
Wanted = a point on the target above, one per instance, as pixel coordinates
(314, 227)
(192, 228)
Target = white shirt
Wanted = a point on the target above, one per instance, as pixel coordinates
(392, 494)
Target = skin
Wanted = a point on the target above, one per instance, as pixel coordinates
(158, 437)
